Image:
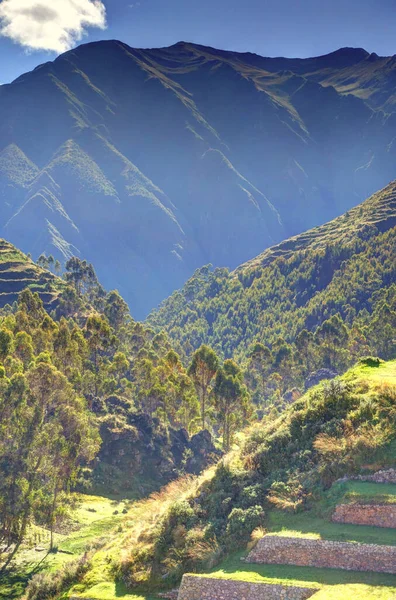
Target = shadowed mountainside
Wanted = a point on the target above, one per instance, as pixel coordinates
(150, 163)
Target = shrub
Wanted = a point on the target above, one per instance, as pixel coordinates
(370, 361)
(48, 586)
(241, 523)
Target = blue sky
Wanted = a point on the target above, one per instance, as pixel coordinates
(268, 27)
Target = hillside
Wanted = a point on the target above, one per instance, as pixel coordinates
(154, 162)
(321, 299)
(280, 480)
(18, 272)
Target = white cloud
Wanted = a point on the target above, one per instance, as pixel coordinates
(49, 24)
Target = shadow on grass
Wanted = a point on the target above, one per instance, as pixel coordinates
(122, 592)
(13, 582)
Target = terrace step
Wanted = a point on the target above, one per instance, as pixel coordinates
(374, 515)
(196, 587)
(307, 552)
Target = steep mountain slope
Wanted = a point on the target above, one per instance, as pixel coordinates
(346, 266)
(154, 162)
(18, 272)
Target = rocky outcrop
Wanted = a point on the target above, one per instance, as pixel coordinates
(210, 588)
(144, 449)
(304, 552)
(375, 515)
(318, 376)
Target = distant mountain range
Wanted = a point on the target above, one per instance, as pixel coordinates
(151, 163)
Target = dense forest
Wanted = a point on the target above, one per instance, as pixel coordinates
(320, 300)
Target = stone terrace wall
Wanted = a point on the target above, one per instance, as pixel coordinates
(377, 515)
(384, 476)
(210, 588)
(305, 552)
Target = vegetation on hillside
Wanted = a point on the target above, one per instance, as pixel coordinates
(280, 479)
(320, 300)
(88, 382)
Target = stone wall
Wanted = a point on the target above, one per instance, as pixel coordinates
(384, 476)
(209, 588)
(377, 515)
(305, 552)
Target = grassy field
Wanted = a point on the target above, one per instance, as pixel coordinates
(333, 584)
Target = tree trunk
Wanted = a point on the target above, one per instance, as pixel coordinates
(52, 517)
(203, 408)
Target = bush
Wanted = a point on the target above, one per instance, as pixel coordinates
(241, 522)
(48, 586)
(370, 361)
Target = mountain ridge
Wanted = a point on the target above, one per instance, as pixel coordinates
(156, 161)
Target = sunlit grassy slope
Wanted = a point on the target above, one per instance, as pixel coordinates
(385, 372)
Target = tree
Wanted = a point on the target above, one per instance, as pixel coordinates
(6, 342)
(81, 275)
(258, 368)
(332, 338)
(232, 400)
(46, 434)
(202, 370)
(57, 267)
(50, 262)
(116, 309)
(100, 339)
(42, 261)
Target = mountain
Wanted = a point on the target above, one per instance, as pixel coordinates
(150, 163)
(318, 300)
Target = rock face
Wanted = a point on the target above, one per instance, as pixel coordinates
(208, 588)
(304, 552)
(318, 376)
(146, 450)
(380, 515)
(155, 162)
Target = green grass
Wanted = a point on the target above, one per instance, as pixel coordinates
(110, 591)
(332, 584)
(384, 373)
(335, 584)
(364, 492)
(96, 520)
(308, 525)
